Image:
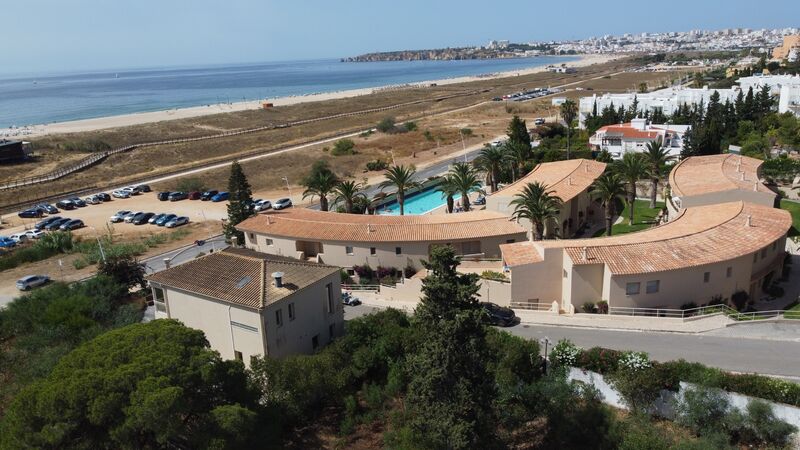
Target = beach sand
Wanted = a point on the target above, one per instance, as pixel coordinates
(197, 111)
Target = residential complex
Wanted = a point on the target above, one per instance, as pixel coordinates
(253, 304)
(633, 137)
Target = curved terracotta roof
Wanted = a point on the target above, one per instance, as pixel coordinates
(716, 173)
(566, 178)
(698, 236)
(303, 223)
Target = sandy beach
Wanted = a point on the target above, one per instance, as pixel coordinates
(183, 113)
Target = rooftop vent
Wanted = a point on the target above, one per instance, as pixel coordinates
(278, 276)
(243, 282)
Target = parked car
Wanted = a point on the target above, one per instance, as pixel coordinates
(205, 196)
(195, 195)
(104, 197)
(155, 218)
(31, 213)
(19, 238)
(72, 224)
(499, 315)
(65, 204)
(34, 234)
(163, 196)
(176, 222)
(282, 204)
(56, 224)
(78, 202)
(45, 222)
(263, 205)
(143, 188)
(93, 200)
(142, 218)
(163, 221)
(32, 281)
(7, 242)
(119, 216)
(48, 208)
(121, 194)
(176, 196)
(130, 216)
(220, 197)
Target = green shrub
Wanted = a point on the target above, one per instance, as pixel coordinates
(344, 147)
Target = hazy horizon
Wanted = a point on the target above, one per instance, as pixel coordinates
(52, 36)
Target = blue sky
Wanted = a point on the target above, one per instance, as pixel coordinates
(76, 35)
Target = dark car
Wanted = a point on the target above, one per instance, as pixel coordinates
(142, 219)
(48, 208)
(206, 196)
(32, 213)
(499, 315)
(195, 195)
(72, 224)
(65, 204)
(143, 188)
(103, 197)
(78, 202)
(163, 196)
(46, 222)
(54, 225)
(220, 197)
(176, 196)
(166, 218)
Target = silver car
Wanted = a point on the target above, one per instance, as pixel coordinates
(32, 281)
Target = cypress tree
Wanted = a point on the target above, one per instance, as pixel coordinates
(239, 202)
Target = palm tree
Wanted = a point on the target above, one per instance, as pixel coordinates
(465, 179)
(347, 192)
(656, 157)
(569, 111)
(491, 159)
(448, 190)
(608, 187)
(320, 184)
(403, 178)
(516, 154)
(631, 168)
(538, 205)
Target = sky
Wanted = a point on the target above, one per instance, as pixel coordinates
(42, 36)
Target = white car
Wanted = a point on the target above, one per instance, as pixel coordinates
(116, 218)
(19, 238)
(34, 234)
(121, 194)
(262, 205)
(129, 217)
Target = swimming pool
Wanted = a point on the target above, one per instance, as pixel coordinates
(417, 203)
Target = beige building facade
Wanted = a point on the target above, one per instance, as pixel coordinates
(251, 304)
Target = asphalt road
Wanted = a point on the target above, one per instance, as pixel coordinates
(733, 352)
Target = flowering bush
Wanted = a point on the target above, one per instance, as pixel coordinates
(635, 361)
(565, 353)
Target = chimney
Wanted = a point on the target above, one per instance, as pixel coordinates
(583, 254)
(749, 222)
(278, 276)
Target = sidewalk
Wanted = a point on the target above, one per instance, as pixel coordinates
(595, 321)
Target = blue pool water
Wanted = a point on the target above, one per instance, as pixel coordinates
(420, 202)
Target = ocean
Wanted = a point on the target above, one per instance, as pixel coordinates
(33, 100)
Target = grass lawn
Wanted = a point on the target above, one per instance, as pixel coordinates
(643, 218)
(794, 210)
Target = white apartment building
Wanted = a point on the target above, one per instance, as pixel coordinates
(635, 135)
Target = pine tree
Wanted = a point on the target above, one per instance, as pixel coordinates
(239, 202)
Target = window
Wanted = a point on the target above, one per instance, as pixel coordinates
(729, 272)
(764, 253)
(632, 288)
(269, 241)
(315, 342)
(279, 317)
(237, 355)
(653, 286)
(398, 250)
(372, 251)
(291, 311)
(349, 250)
(331, 329)
(706, 277)
(329, 297)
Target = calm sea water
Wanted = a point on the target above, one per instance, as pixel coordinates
(27, 100)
